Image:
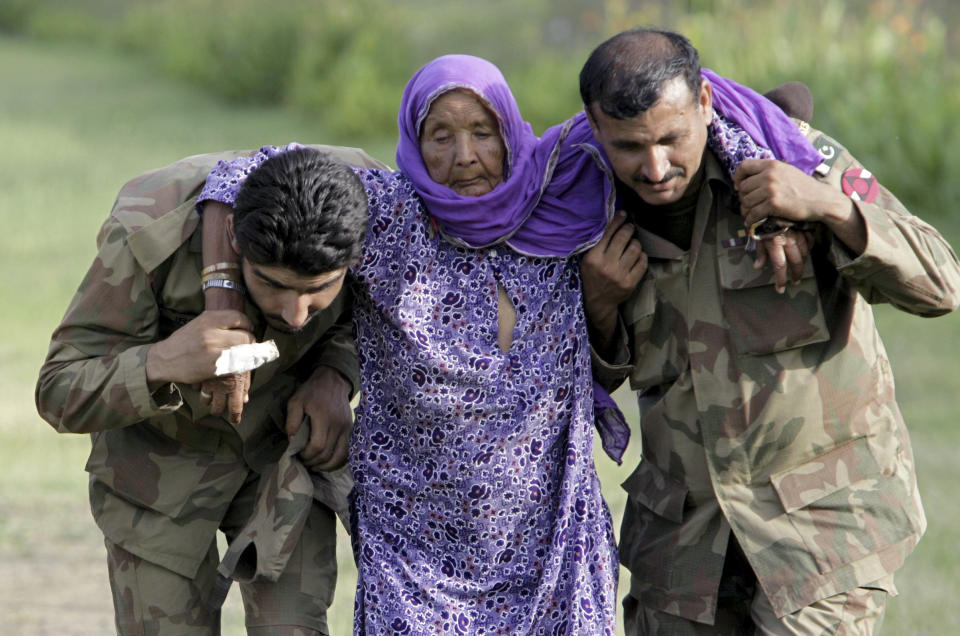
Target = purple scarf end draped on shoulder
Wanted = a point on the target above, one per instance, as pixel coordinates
(557, 194)
(763, 121)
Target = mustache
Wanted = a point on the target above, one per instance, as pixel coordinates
(286, 327)
(675, 172)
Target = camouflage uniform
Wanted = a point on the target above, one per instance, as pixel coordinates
(771, 415)
(165, 474)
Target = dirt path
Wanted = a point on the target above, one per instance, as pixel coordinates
(52, 571)
(53, 575)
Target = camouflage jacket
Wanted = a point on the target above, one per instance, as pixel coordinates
(163, 470)
(772, 415)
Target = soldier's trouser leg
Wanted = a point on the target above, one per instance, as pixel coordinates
(858, 612)
(296, 604)
(150, 600)
(742, 608)
(737, 588)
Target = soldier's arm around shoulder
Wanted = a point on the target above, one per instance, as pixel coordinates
(906, 261)
(94, 375)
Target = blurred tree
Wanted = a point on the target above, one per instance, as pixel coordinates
(891, 63)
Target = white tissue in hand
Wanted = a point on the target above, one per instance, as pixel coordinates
(246, 357)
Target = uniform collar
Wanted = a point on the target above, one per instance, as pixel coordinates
(716, 175)
(154, 242)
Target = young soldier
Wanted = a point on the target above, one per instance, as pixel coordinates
(126, 361)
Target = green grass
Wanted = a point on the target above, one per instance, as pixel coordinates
(77, 124)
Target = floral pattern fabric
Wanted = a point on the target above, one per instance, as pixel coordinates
(476, 506)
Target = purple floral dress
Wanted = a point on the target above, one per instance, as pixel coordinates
(476, 507)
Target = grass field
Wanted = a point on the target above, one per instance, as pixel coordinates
(76, 124)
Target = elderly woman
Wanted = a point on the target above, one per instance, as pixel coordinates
(476, 506)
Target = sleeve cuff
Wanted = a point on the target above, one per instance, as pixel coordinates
(862, 266)
(611, 373)
(132, 365)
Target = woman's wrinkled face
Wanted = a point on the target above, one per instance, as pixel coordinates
(461, 145)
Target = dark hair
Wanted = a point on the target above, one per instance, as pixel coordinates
(302, 210)
(625, 75)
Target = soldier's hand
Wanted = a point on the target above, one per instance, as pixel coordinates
(227, 394)
(786, 254)
(611, 270)
(768, 187)
(323, 403)
(189, 355)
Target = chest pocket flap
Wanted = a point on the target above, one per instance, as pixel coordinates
(761, 320)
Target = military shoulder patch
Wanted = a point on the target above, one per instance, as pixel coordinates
(828, 151)
(860, 185)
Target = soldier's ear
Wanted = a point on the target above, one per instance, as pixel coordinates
(705, 101)
(588, 109)
(231, 235)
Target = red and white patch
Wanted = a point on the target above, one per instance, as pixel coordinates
(860, 185)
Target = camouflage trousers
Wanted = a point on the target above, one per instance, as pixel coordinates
(743, 609)
(150, 600)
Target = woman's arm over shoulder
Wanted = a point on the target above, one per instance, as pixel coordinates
(225, 179)
(387, 192)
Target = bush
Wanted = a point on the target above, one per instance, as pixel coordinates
(14, 15)
(881, 71)
(234, 48)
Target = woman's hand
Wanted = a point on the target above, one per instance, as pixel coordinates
(611, 270)
(323, 404)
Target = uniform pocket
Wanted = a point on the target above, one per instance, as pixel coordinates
(843, 505)
(761, 320)
(170, 320)
(651, 524)
(142, 465)
(640, 310)
(657, 491)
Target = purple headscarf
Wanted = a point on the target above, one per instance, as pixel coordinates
(562, 178)
(548, 203)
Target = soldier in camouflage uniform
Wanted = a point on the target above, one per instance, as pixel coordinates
(124, 366)
(777, 489)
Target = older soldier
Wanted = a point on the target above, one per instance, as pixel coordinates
(124, 364)
(777, 490)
